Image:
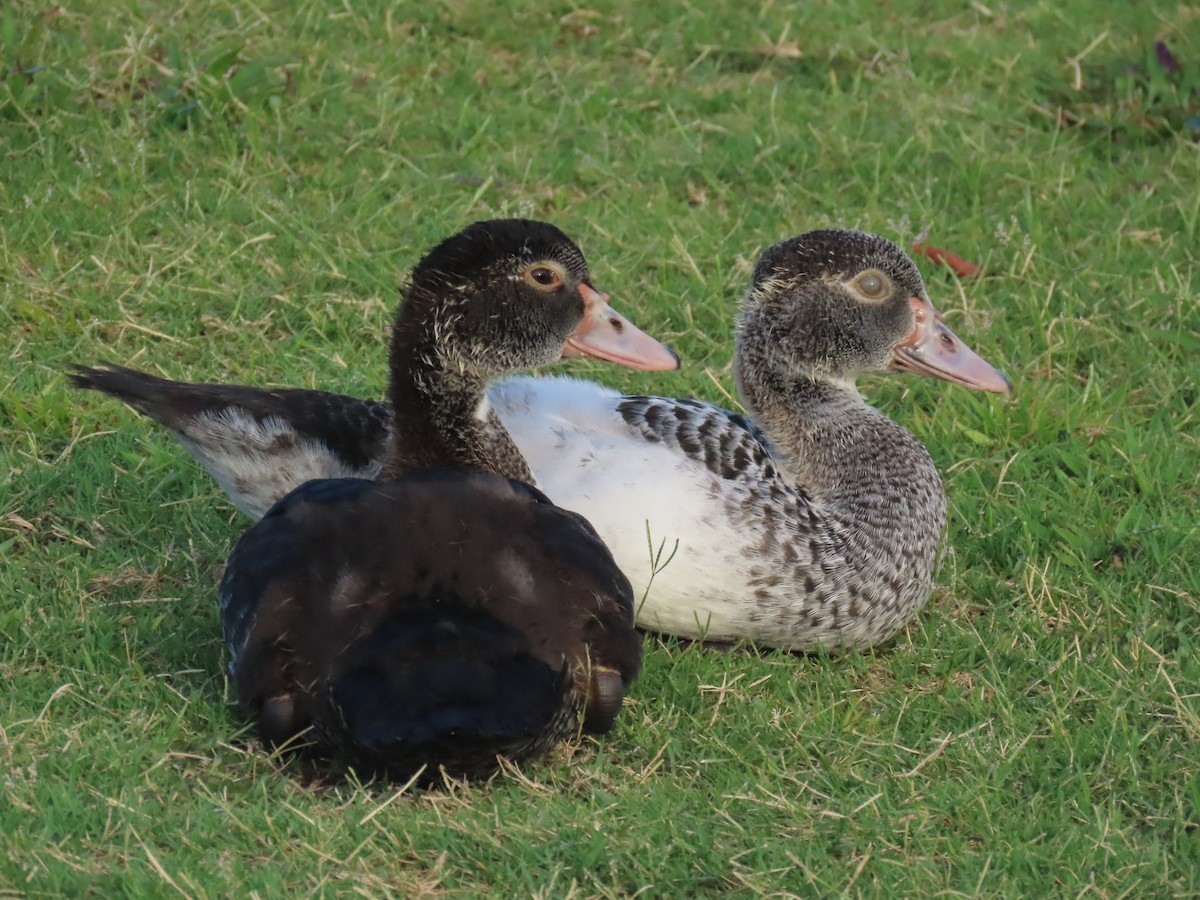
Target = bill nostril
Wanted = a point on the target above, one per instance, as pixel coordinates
(617, 325)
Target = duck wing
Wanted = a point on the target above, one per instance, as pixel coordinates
(726, 443)
(256, 442)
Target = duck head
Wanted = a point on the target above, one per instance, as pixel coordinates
(494, 299)
(510, 294)
(831, 305)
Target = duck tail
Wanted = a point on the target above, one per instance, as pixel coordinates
(148, 394)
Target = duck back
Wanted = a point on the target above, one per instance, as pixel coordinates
(439, 620)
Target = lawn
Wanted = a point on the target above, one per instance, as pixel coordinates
(227, 190)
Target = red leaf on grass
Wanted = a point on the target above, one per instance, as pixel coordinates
(955, 263)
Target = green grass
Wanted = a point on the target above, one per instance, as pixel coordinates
(229, 190)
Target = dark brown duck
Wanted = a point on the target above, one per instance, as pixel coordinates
(443, 617)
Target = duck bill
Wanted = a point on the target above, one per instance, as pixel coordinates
(933, 349)
(606, 334)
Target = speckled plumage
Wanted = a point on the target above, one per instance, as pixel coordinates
(835, 550)
(815, 521)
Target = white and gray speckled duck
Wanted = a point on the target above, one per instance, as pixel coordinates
(815, 524)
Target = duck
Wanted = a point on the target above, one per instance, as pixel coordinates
(445, 616)
(811, 522)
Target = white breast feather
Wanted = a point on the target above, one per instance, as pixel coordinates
(686, 506)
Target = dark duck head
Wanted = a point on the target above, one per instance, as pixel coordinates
(444, 617)
(496, 298)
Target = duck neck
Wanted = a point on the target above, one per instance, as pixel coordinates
(798, 414)
(842, 452)
(443, 417)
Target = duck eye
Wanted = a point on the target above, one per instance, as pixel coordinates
(872, 285)
(544, 277)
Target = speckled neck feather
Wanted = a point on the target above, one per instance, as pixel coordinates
(871, 487)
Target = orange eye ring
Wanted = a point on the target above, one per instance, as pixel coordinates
(545, 276)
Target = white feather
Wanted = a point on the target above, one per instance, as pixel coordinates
(588, 460)
(258, 461)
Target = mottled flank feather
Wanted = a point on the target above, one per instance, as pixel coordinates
(726, 443)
